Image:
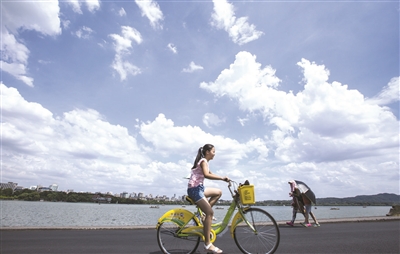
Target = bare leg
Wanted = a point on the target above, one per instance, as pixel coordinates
(307, 204)
(207, 209)
(313, 216)
(213, 195)
(294, 213)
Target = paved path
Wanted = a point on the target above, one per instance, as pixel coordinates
(344, 236)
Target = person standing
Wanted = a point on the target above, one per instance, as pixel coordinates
(205, 198)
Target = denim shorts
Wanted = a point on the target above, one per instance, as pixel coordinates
(196, 193)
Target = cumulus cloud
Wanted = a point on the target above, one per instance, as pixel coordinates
(192, 68)
(211, 119)
(80, 146)
(240, 31)
(327, 121)
(168, 139)
(38, 16)
(326, 125)
(122, 46)
(152, 11)
(15, 58)
(389, 94)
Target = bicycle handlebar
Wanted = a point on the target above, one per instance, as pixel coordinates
(230, 183)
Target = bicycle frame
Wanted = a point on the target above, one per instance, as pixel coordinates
(182, 217)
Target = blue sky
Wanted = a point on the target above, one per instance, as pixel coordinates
(119, 95)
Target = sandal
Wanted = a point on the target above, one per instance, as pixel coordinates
(215, 250)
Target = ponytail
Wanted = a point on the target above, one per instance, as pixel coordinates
(201, 153)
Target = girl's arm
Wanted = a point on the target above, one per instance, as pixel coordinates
(209, 175)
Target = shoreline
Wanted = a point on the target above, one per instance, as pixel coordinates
(280, 223)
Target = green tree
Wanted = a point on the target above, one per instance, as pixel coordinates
(29, 196)
(6, 192)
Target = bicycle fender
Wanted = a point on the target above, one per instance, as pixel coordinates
(237, 220)
(179, 216)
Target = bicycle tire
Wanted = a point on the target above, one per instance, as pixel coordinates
(170, 243)
(264, 240)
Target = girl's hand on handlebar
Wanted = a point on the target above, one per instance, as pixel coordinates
(226, 179)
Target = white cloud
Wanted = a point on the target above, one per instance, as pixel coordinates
(243, 121)
(326, 121)
(122, 12)
(253, 86)
(81, 146)
(122, 45)
(84, 32)
(18, 70)
(192, 67)
(389, 93)
(92, 5)
(65, 24)
(152, 11)
(339, 134)
(173, 48)
(38, 16)
(124, 42)
(240, 31)
(124, 68)
(15, 58)
(168, 139)
(210, 119)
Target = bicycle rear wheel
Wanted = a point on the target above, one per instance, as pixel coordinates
(170, 243)
(265, 236)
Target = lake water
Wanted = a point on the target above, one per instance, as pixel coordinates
(60, 214)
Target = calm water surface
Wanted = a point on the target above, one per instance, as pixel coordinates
(60, 214)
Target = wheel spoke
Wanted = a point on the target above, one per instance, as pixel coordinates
(170, 242)
(263, 235)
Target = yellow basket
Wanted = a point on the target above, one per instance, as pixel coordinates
(246, 193)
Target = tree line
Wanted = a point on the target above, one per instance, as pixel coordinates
(59, 196)
(383, 199)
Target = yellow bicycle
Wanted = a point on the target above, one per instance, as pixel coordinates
(253, 229)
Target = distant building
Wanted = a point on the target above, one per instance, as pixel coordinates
(53, 187)
(41, 189)
(124, 194)
(9, 185)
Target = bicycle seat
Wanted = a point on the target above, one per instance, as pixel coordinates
(190, 200)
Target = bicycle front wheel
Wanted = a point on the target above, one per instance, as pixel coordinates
(261, 237)
(171, 243)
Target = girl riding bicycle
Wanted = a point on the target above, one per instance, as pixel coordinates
(205, 198)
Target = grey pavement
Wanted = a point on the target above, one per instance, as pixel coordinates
(357, 235)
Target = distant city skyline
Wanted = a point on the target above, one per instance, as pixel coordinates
(124, 194)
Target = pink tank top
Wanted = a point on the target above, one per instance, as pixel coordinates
(197, 176)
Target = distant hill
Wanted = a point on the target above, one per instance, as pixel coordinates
(378, 199)
(382, 199)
